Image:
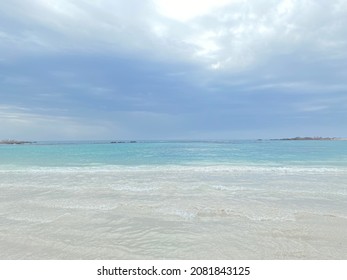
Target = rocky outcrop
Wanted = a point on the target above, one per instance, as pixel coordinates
(311, 138)
(122, 142)
(14, 142)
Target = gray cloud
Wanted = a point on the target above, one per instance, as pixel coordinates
(39, 123)
(133, 68)
(236, 36)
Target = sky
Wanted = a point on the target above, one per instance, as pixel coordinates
(180, 69)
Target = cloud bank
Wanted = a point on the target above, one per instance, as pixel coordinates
(230, 34)
(190, 65)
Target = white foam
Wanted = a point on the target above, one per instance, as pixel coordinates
(178, 168)
(181, 213)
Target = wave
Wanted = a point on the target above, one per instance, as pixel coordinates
(176, 168)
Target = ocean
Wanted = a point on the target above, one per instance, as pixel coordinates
(174, 200)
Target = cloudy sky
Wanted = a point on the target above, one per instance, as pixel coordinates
(172, 69)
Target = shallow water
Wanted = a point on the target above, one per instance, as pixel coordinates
(182, 208)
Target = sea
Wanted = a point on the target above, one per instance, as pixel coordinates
(241, 199)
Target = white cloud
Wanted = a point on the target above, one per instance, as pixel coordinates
(288, 46)
(185, 10)
(232, 34)
(28, 124)
(311, 108)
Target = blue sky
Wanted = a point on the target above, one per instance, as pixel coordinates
(228, 69)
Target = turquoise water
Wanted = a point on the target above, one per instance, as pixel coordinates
(272, 153)
(174, 200)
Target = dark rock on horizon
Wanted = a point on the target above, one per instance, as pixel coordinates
(15, 142)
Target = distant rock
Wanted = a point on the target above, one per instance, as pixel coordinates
(14, 142)
(311, 138)
(122, 142)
